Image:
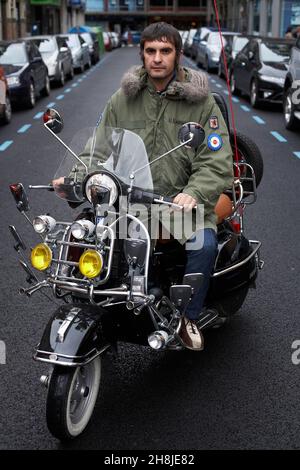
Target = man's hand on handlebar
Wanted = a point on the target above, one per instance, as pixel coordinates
(186, 201)
(58, 181)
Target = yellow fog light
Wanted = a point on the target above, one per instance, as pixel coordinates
(41, 257)
(90, 263)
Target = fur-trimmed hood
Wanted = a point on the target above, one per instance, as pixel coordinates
(189, 84)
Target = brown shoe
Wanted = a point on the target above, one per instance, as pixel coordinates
(191, 337)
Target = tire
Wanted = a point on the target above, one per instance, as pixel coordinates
(220, 70)
(7, 113)
(290, 121)
(206, 65)
(234, 90)
(46, 89)
(89, 64)
(230, 304)
(31, 100)
(71, 399)
(250, 153)
(71, 73)
(254, 100)
(61, 81)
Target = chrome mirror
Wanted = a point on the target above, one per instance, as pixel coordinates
(53, 120)
(194, 131)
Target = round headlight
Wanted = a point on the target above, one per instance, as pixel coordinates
(105, 181)
(82, 229)
(41, 256)
(90, 263)
(43, 224)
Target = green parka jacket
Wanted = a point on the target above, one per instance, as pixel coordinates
(203, 174)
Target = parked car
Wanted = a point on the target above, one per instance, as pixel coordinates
(260, 68)
(291, 93)
(209, 49)
(57, 56)
(234, 45)
(107, 41)
(92, 41)
(79, 49)
(199, 36)
(26, 72)
(188, 42)
(5, 104)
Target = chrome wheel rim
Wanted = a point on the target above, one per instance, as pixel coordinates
(232, 84)
(287, 109)
(32, 94)
(8, 111)
(253, 93)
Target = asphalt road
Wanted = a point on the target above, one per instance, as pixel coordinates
(242, 391)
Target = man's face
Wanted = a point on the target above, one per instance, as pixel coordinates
(159, 60)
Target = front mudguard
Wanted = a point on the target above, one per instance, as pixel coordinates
(73, 336)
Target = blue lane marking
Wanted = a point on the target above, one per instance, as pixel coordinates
(297, 154)
(5, 144)
(212, 80)
(245, 108)
(68, 90)
(38, 115)
(50, 105)
(60, 97)
(84, 76)
(24, 128)
(226, 92)
(79, 80)
(278, 136)
(235, 99)
(218, 85)
(74, 84)
(258, 120)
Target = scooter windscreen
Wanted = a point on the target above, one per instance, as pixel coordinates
(119, 151)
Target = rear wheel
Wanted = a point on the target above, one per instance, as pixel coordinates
(254, 98)
(61, 80)
(249, 153)
(220, 74)
(46, 89)
(290, 120)
(71, 398)
(7, 112)
(30, 100)
(233, 88)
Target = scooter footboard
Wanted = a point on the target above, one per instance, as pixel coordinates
(73, 336)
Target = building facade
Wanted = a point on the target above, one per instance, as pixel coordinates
(136, 14)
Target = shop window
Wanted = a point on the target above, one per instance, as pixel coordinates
(256, 16)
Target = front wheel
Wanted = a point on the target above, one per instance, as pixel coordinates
(290, 120)
(254, 98)
(71, 398)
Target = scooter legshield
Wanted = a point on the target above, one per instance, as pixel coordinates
(73, 336)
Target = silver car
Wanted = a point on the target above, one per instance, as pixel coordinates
(57, 56)
(209, 49)
(80, 51)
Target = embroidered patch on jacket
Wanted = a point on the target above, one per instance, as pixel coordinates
(214, 122)
(214, 142)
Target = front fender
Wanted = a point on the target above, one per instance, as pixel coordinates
(73, 336)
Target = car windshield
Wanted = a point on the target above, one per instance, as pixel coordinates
(239, 43)
(87, 38)
(275, 52)
(72, 41)
(12, 54)
(45, 44)
(215, 40)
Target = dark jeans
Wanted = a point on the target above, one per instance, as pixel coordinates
(201, 261)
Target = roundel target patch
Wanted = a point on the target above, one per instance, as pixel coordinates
(214, 142)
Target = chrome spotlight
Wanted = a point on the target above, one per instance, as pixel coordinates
(158, 339)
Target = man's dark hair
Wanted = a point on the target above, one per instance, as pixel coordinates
(161, 31)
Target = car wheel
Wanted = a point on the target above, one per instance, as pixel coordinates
(220, 70)
(7, 113)
(290, 121)
(46, 89)
(206, 65)
(233, 87)
(62, 79)
(254, 100)
(89, 64)
(31, 100)
(71, 73)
